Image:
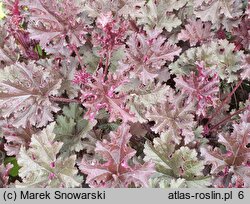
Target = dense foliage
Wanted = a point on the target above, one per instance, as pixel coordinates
(136, 93)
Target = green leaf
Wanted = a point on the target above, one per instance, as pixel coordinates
(160, 14)
(144, 97)
(42, 167)
(68, 71)
(186, 160)
(219, 55)
(2, 13)
(117, 55)
(39, 50)
(90, 56)
(15, 168)
(74, 131)
(176, 167)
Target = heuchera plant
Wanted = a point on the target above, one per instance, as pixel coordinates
(125, 94)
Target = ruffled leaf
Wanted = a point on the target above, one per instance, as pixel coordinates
(115, 168)
(147, 54)
(175, 167)
(175, 116)
(159, 15)
(201, 87)
(24, 94)
(40, 165)
(219, 55)
(219, 12)
(234, 157)
(98, 94)
(16, 137)
(8, 48)
(196, 32)
(52, 21)
(68, 71)
(74, 131)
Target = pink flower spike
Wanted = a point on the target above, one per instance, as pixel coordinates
(52, 176)
(52, 164)
(81, 77)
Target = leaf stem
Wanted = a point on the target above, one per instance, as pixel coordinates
(106, 65)
(133, 26)
(64, 100)
(227, 118)
(217, 111)
(74, 48)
